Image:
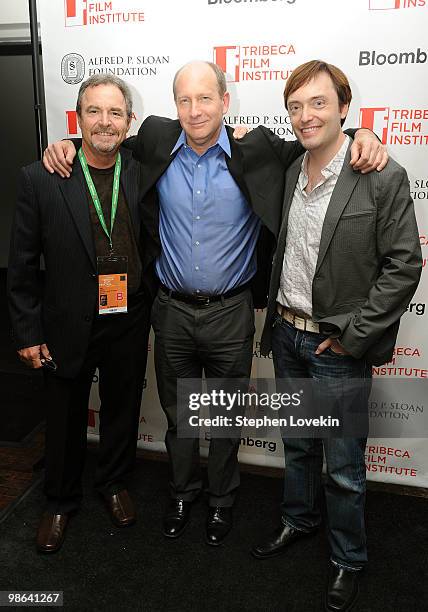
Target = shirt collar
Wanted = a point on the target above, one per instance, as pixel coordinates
(222, 142)
(334, 166)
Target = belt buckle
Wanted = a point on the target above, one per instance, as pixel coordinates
(202, 300)
(299, 323)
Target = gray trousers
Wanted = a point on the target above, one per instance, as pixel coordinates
(190, 339)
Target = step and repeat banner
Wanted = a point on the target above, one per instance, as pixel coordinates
(380, 45)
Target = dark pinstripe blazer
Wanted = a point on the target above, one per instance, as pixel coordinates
(52, 219)
(369, 260)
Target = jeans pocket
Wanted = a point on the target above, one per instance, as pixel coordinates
(277, 319)
(330, 351)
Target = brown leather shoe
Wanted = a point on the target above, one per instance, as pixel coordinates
(121, 508)
(51, 533)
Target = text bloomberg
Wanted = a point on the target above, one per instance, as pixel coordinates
(373, 58)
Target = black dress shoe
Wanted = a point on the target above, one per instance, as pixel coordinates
(219, 523)
(342, 590)
(278, 542)
(176, 518)
(51, 532)
(121, 508)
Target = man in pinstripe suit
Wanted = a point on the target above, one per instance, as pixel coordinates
(347, 263)
(60, 322)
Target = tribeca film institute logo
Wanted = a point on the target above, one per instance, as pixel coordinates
(385, 5)
(398, 126)
(254, 62)
(84, 12)
(72, 68)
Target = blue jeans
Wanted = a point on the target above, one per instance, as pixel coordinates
(294, 357)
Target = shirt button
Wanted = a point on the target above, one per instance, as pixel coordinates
(196, 267)
(198, 217)
(197, 243)
(199, 166)
(198, 192)
(197, 291)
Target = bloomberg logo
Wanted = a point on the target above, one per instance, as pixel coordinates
(374, 58)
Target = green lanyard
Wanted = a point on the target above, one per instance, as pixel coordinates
(94, 195)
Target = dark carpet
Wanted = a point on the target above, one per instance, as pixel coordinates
(104, 568)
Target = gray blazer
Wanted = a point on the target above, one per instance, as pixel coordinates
(369, 260)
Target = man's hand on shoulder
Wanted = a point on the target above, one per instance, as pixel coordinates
(367, 152)
(58, 157)
(239, 131)
(33, 356)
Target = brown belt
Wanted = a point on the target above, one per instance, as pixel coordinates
(297, 322)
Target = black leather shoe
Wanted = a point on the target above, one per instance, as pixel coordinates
(51, 532)
(176, 518)
(278, 542)
(120, 508)
(219, 523)
(342, 590)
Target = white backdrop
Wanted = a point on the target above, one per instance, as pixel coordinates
(379, 44)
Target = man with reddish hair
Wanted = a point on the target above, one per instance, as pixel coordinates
(347, 264)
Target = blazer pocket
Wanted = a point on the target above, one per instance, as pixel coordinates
(361, 213)
(355, 233)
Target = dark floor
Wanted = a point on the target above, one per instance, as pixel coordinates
(17, 473)
(104, 568)
(16, 469)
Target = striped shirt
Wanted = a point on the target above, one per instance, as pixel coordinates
(305, 222)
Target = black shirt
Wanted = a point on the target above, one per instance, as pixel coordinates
(123, 238)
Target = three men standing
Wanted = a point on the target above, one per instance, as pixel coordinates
(92, 310)
(211, 216)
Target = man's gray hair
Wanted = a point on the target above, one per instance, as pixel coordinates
(219, 75)
(105, 79)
